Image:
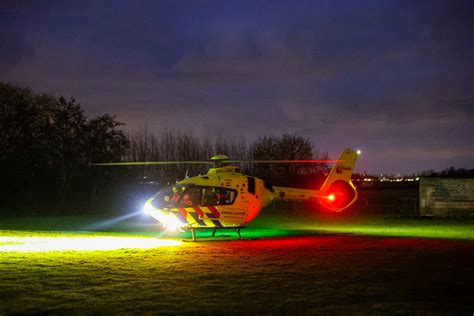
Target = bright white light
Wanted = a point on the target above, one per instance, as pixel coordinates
(169, 221)
(331, 197)
(173, 223)
(80, 243)
(148, 207)
(359, 151)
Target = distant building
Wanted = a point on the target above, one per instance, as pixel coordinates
(445, 197)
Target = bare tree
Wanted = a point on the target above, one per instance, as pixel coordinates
(286, 147)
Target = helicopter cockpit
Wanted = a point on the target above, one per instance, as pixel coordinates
(190, 195)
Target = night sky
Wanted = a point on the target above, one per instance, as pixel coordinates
(393, 78)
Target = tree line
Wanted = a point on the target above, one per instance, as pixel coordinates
(450, 172)
(175, 145)
(48, 146)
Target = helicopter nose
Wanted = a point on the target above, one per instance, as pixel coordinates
(148, 207)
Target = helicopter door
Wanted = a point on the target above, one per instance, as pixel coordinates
(191, 197)
(218, 196)
(210, 196)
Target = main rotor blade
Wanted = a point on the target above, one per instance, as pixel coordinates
(147, 163)
(284, 161)
(150, 163)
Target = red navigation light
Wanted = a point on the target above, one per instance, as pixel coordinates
(340, 194)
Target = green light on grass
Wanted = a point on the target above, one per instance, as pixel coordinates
(417, 231)
(40, 244)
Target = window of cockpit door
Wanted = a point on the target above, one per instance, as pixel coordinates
(191, 197)
(210, 196)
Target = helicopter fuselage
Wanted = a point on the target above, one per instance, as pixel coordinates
(222, 198)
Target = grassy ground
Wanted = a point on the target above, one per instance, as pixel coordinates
(293, 262)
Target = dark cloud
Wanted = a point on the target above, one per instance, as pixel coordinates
(393, 77)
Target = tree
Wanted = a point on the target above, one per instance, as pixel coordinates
(104, 142)
(48, 143)
(25, 126)
(286, 147)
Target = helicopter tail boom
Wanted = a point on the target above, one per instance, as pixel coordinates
(337, 192)
(293, 194)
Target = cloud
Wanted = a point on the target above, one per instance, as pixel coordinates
(391, 78)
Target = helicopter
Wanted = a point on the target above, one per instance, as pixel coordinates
(225, 198)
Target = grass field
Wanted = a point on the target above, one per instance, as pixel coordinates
(291, 262)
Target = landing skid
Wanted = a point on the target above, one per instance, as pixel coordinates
(214, 229)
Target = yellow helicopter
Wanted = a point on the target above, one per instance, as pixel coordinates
(225, 198)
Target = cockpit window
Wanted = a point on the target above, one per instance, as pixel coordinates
(165, 198)
(218, 196)
(190, 196)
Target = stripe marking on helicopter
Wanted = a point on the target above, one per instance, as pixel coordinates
(199, 212)
(215, 213)
(197, 219)
(198, 215)
(181, 215)
(217, 223)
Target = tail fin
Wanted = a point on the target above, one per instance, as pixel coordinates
(337, 191)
